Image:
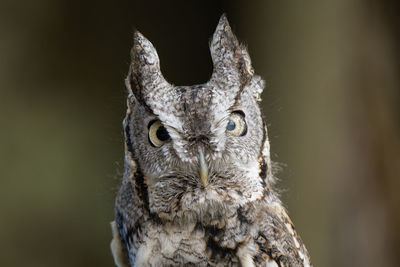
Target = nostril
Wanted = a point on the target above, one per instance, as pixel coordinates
(203, 138)
(200, 138)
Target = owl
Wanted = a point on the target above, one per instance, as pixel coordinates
(198, 189)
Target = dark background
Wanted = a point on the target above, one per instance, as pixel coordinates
(332, 104)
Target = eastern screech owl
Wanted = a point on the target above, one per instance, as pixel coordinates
(197, 187)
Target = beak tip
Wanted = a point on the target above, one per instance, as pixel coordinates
(203, 169)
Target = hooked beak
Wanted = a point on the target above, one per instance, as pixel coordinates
(203, 168)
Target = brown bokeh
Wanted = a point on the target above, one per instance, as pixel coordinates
(332, 104)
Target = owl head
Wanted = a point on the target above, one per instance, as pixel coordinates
(196, 151)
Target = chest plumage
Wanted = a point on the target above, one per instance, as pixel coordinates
(197, 186)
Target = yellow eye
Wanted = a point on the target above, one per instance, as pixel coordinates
(236, 124)
(158, 135)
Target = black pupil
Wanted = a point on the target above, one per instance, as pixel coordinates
(162, 133)
(231, 125)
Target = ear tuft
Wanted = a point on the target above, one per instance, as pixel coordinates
(144, 76)
(224, 43)
(229, 57)
(143, 51)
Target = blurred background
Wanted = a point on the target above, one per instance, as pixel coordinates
(332, 104)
